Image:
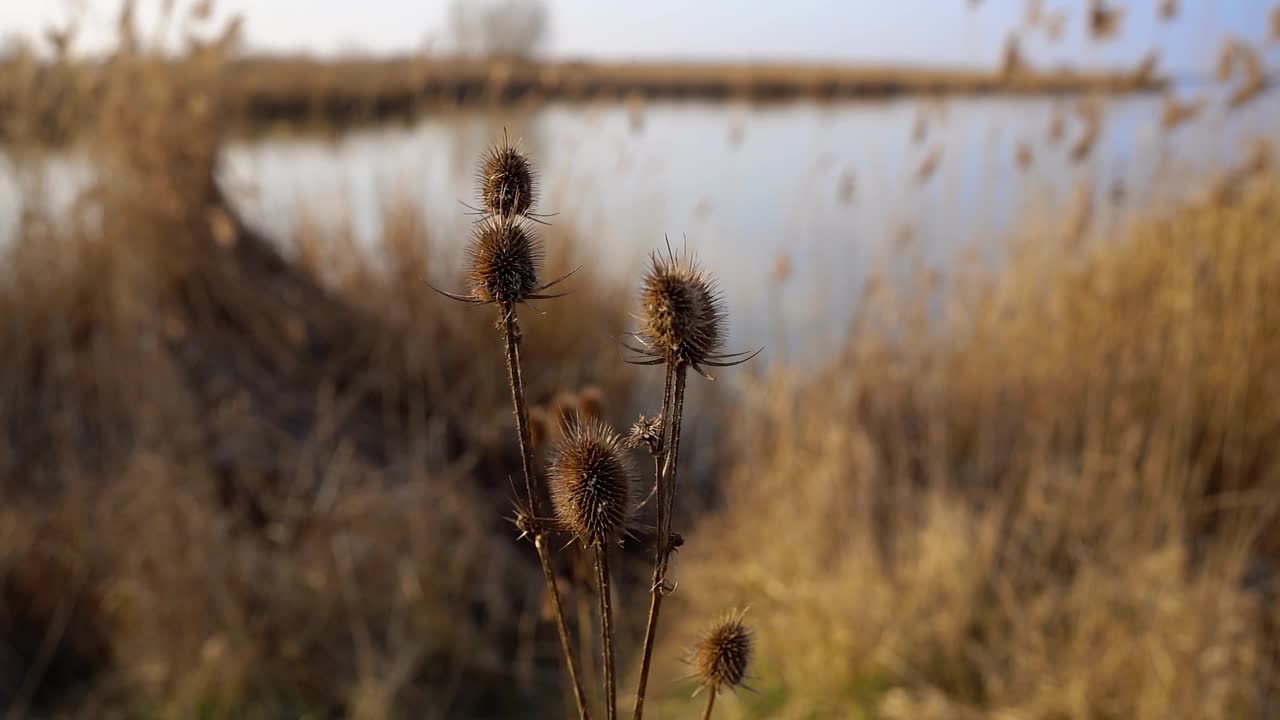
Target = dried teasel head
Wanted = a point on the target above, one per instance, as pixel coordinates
(682, 315)
(646, 432)
(592, 483)
(505, 257)
(507, 181)
(722, 654)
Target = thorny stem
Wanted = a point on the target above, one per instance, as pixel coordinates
(515, 376)
(665, 472)
(711, 704)
(606, 629)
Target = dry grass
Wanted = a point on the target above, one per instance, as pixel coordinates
(242, 482)
(1056, 499)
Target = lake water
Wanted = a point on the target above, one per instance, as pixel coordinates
(828, 187)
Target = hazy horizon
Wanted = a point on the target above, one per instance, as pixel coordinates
(915, 32)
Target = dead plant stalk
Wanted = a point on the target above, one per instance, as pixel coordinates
(532, 520)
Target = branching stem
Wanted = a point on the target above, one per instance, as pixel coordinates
(665, 472)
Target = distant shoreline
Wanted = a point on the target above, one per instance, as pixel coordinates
(277, 81)
(276, 91)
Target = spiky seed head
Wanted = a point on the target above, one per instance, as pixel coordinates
(505, 256)
(646, 432)
(682, 313)
(592, 483)
(721, 657)
(507, 183)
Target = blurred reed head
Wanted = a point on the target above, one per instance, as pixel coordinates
(539, 427)
(592, 482)
(591, 403)
(505, 256)
(721, 656)
(507, 182)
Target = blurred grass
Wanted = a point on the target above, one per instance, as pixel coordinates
(1056, 499)
(261, 480)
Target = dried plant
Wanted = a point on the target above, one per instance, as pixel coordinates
(1255, 80)
(592, 493)
(1104, 20)
(505, 257)
(507, 181)
(721, 657)
(682, 327)
(591, 481)
(504, 262)
(1175, 113)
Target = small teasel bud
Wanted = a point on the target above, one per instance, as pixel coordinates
(722, 654)
(646, 432)
(682, 314)
(507, 183)
(592, 484)
(505, 257)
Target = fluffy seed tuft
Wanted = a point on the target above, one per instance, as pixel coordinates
(682, 313)
(721, 657)
(505, 256)
(591, 479)
(507, 184)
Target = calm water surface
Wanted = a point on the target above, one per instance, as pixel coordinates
(828, 187)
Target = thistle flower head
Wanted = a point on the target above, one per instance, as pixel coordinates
(505, 256)
(681, 311)
(507, 183)
(722, 654)
(591, 480)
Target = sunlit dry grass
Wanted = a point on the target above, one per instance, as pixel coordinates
(1056, 499)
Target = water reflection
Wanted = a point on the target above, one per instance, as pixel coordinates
(823, 189)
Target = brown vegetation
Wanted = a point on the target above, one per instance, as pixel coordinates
(246, 479)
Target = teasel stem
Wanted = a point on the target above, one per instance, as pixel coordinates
(665, 471)
(711, 705)
(515, 377)
(606, 630)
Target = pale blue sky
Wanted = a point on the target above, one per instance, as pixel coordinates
(919, 31)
